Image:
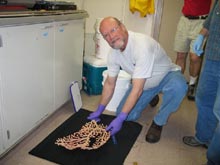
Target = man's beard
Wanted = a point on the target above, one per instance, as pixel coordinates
(118, 44)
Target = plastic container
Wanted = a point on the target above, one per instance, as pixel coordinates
(92, 78)
(122, 85)
(101, 46)
(92, 60)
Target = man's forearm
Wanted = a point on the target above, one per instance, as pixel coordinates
(130, 102)
(107, 94)
(134, 95)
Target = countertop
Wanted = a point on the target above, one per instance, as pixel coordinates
(16, 18)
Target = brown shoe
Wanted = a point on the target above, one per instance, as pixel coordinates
(154, 132)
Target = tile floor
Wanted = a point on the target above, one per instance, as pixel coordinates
(168, 151)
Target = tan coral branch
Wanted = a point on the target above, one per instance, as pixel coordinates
(82, 138)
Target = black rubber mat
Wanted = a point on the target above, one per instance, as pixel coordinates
(108, 154)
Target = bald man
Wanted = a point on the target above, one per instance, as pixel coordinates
(152, 73)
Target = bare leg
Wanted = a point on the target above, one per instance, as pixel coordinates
(194, 69)
(195, 65)
(181, 60)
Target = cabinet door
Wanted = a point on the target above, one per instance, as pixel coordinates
(2, 142)
(26, 66)
(69, 44)
(1, 133)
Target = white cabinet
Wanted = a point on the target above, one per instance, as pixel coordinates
(26, 65)
(69, 37)
(38, 62)
(1, 135)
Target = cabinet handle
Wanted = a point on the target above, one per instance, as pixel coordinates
(64, 24)
(8, 134)
(1, 42)
(48, 27)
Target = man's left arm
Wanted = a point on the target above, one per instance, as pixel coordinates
(136, 91)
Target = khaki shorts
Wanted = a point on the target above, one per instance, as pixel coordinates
(187, 31)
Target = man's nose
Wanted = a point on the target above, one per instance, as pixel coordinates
(111, 35)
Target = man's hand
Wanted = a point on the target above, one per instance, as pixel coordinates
(197, 46)
(95, 115)
(116, 124)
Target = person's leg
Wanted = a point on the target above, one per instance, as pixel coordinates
(181, 60)
(205, 101)
(154, 101)
(194, 69)
(194, 60)
(182, 42)
(213, 153)
(141, 104)
(174, 88)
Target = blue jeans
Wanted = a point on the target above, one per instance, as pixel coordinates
(208, 105)
(173, 87)
(213, 153)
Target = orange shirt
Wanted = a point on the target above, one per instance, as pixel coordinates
(196, 7)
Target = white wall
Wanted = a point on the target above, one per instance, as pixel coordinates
(117, 8)
(120, 9)
(169, 21)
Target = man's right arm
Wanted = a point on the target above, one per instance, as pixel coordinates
(108, 90)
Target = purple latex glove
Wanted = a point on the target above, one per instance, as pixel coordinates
(95, 115)
(116, 124)
(197, 46)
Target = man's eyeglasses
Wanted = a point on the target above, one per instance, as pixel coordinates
(112, 31)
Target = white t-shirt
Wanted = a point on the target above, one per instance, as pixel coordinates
(142, 58)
